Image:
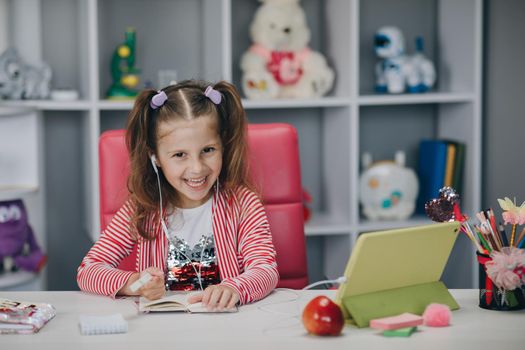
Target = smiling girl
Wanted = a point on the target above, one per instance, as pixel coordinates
(191, 211)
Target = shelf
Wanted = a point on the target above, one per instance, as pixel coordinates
(11, 279)
(296, 103)
(251, 104)
(432, 97)
(14, 192)
(325, 225)
(367, 226)
(115, 105)
(49, 105)
(8, 110)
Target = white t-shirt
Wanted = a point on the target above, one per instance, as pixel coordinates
(192, 249)
(190, 224)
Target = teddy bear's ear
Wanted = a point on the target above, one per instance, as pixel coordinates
(400, 158)
(279, 2)
(366, 160)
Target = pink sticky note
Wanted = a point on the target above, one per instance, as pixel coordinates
(396, 322)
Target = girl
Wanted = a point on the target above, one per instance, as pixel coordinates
(197, 223)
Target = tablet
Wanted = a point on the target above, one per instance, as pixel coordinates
(398, 258)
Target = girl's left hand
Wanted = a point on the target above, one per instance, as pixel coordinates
(216, 297)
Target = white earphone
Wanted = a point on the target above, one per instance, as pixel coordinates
(153, 160)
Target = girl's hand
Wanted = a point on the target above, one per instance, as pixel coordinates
(216, 297)
(153, 289)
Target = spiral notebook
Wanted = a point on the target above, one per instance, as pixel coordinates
(102, 324)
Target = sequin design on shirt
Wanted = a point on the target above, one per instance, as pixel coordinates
(182, 274)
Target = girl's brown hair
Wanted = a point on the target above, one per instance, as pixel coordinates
(185, 100)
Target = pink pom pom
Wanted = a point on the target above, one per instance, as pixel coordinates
(437, 315)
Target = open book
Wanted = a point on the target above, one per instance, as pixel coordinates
(175, 301)
(23, 317)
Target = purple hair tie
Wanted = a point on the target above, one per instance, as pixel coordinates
(158, 100)
(213, 95)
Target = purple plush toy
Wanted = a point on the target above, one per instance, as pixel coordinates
(17, 240)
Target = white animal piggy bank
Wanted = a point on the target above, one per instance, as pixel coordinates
(387, 189)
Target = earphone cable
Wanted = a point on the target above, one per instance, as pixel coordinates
(165, 230)
(339, 280)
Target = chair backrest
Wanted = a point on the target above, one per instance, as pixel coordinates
(274, 167)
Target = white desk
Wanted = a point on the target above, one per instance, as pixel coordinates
(270, 324)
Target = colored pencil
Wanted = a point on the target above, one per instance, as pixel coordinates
(482, 239)
(466, 228)
(521, 243)
(512, 234)
(520, 239)
(492, 225)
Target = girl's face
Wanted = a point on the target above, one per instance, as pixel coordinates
(190, 155)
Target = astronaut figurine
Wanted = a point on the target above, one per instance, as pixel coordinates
(397, 72)
(387, 189)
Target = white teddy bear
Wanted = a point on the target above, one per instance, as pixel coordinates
(280, 63)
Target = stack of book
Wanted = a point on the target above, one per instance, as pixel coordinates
(441, 163)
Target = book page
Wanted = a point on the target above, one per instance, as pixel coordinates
(172, 301)
(198, 308)
(175, 301)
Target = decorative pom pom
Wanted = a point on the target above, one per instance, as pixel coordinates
(506, 268)
(437, 315)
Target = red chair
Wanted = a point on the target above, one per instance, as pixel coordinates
(274, 167)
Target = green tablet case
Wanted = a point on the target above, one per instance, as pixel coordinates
(413, 299)
(396, 271)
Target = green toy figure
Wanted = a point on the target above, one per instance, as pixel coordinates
(124, 74)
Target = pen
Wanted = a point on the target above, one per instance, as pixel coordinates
(485, 228)
(503, 235)
(492, 221)
(490, 231)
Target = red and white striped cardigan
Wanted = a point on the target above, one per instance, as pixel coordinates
(243, 245)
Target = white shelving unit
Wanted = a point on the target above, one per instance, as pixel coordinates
(21, 177)
(206, 38)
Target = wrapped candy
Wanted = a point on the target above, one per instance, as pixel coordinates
(445, 207)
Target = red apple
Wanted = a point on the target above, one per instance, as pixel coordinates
(322, 316)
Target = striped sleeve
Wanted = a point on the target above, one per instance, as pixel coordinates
(98, 271)
(260, 274)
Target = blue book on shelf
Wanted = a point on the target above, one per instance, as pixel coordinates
(431, 171)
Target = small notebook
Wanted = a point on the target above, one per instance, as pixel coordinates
(106, 324)
(396, 322)
(175, 301)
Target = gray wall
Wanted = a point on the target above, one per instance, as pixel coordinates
(504, 94)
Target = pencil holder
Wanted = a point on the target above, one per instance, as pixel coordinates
(493, 298)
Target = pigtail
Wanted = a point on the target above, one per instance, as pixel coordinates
(138, 123)
(140, 129)
(233, 130)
